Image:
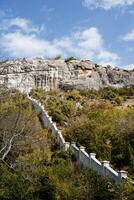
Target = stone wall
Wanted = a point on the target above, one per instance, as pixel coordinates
(84, 159)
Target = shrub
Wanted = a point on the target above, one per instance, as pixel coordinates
(70, 59)
(109, 94)
(57, 116)
(118, 100)
(58, 57)
(74, 95)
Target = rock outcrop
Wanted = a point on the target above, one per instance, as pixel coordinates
(25, 74)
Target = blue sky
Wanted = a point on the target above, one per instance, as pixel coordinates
(99, 30)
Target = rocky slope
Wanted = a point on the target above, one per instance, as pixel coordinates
(25, 74)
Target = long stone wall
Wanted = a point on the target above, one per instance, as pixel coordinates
(83, 158)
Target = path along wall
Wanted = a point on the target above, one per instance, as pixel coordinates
(83, 158)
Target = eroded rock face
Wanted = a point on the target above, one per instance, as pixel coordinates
(25, 74)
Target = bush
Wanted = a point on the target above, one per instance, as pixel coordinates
(70, 59)
(74, 95)
(58, 57)
(118, 100)
(109, 94)
(57, 116)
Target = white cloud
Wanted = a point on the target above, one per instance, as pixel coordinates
(46, 9)
(106, 4)
(89, 38)
(87, 44)
(107, 57)
(20, 23)
(131, 12)
(128, 67)
(22, 45)
(25, 41)
(128, 36)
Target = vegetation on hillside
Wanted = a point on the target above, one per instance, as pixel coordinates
(96, 120)
(31, 165)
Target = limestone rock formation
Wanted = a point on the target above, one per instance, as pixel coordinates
(25, 74)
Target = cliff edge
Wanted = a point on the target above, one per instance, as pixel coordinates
(25, 74)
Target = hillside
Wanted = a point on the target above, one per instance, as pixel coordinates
(32, 167)
(27, 74)
(99, 120)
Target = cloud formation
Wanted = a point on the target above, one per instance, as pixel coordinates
(87, 44)
(106, 4)
(128, 67)
(129, 36)
(21, 45)
(22, 24)
(20, 38)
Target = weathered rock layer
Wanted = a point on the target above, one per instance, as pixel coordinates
(25, 74)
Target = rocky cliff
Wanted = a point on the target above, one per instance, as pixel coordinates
(25, 74)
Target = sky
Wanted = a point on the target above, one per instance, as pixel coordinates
(98, 30)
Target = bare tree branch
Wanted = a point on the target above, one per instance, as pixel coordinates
(9, 145)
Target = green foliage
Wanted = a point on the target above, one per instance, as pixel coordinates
(100, 125)
(33, 170)
(127, 191)
(58, 57)
(105, 133)
(109, 94)
(74, 95)
(90, 94)
(57, 116)
(70, 59)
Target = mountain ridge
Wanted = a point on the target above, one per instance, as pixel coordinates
(26, 74)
